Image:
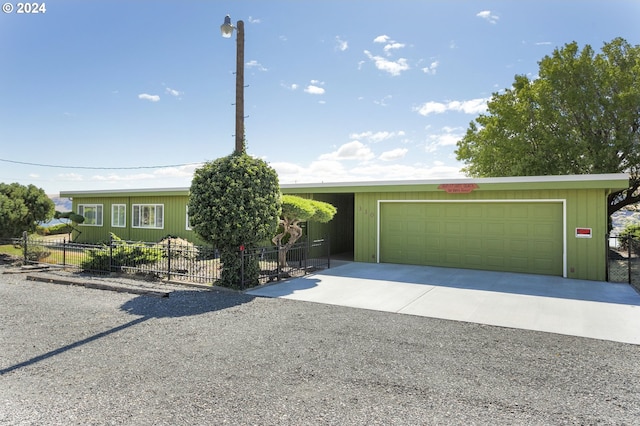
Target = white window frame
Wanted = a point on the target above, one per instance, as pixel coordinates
(187, 226)
(99, 213)
(137, 216)
(115, 215)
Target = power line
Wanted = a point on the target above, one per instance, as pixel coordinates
(98, 168)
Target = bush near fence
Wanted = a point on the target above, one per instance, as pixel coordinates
(171, 258)
(623, 263)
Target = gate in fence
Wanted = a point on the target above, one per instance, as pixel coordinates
(623, 259)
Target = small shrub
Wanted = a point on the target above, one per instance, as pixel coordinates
(121, 253)
(180, 248)
(631, 231)
(36, 252)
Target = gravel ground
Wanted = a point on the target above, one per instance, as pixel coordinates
(71, 355)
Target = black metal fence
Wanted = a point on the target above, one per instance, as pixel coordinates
(171, 259)
(623, 263)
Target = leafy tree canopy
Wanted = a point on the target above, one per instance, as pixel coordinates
(234, 201)
(21, 208)
(581, 115)
(295, 210)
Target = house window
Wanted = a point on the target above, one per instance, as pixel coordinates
(187, 226)
(92, 214)
(118, 215)
(148, 216)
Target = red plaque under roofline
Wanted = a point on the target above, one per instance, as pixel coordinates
(458, 188)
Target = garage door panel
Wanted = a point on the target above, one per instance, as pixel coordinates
(519, 237)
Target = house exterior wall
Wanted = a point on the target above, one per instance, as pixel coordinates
(357, 224)
(174, 217)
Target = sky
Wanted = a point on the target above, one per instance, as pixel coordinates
(114, 94)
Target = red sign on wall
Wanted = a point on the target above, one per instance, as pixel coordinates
(583, 232)
(458, 188)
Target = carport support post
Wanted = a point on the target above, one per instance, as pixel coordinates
(328, 253)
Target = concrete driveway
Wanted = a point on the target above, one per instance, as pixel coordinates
(593, 309)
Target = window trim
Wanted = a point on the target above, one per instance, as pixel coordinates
(99, 208)
(138, 207)
(115, 215)
(187, 227)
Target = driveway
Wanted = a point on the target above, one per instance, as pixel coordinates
(592, 309)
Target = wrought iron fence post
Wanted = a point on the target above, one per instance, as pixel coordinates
(278, 262)
(242, 267)
(24, 245)
(110, 253)
(169, 258)
(629, 242)
(306, 252)
(64, 252)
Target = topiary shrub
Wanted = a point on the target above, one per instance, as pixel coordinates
(235, 202)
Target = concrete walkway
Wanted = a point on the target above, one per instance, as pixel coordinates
(593, 309)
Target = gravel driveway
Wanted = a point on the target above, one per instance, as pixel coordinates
(77, 356)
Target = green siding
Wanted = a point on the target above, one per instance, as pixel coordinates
(174, 219)
(585, 257)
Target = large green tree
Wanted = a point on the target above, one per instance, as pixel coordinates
(295, 210)
(234, 202)
(21, 208)
(580, 115)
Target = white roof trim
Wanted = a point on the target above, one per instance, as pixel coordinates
(512, 179)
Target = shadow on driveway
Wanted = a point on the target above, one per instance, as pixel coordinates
(179, 304)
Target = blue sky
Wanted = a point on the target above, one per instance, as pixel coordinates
(136, 94)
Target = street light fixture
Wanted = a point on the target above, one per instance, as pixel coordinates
(227, 29)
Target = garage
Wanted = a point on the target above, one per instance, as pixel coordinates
(547, 225)
(517, 236)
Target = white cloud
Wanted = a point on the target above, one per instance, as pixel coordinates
(147, 97)
(70, 177)
(431, 69)
(392, 67)
(253, 20)
(376, 136)
(392, 46)
(381, 39)
(394, 154)
(448, 137)
(488, 16)
(292, 86)
(314, 90)
(172, 92)
(255, 64)
(473, 106)
(354, 150)
(341, 45)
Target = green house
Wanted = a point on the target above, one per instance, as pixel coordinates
(550, 225)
